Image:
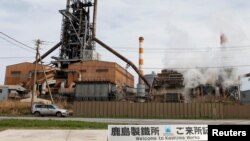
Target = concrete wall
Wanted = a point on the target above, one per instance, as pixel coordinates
(4, 92)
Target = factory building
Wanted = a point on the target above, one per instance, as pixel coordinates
(245, 90)
(99, 71)
(168, 86)
(99, 80)
(78, 71)
(86, 73)
(12, 92)
(23, 73)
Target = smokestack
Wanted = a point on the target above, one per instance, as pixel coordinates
(223, 39)
(68, 5)
(94, 17)
(141, 61)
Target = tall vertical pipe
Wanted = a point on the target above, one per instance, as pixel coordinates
(141, 61)
(68, 5)
(94, 17)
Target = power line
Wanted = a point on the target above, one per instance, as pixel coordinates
(176, 68)
(170, 52)
(49, 42)
(186, 48)
(208, 67)
(182, 50)
(16, 44)
(17, 41)
(15, 57)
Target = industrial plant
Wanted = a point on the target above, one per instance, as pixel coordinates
(79, 74)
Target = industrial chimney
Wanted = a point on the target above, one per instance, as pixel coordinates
(141, 61)
(141, 87)
(223, 40)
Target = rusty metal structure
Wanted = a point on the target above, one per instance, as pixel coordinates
(76, 35)
(214, 93)
(64, 82)
(168, 86)
(78, 64)
(78, 70)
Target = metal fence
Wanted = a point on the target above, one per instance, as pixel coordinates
(160, 110)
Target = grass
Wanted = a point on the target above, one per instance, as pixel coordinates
(14, 108)
(49, 124)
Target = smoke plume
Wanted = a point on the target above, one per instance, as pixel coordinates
(207, 65)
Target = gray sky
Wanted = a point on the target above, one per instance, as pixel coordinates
(192, 26)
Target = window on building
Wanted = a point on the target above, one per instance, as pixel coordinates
(102, 70)
(1, 91)
(30, 74)
(15, 74)
(83, 71)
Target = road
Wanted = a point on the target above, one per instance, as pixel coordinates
(94, 135)
(138, 121)
(53, 135)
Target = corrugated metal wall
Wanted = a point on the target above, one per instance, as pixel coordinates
(93, 90)
(4, 92)
(245, 97)
(160, 110)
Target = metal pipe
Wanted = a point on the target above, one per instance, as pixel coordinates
(122, 58)
(48, 52)
(223, 40)
(94, 17)
(68, 5)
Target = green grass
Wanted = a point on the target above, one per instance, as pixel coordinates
(49, 124)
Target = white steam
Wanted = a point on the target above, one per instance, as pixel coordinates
(207, 65)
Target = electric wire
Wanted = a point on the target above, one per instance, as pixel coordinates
(17, 41)
(15, 57)
(16, 45)
(188, 48)
(204, 67)
(146, 50)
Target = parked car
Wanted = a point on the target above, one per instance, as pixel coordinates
(49, 109)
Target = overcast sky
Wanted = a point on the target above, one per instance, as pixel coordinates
(178, 33)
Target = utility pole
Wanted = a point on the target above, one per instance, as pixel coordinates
(46, 79)
(38, 42)
(38, 57)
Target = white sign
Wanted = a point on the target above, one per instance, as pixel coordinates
(51, 82)
(157, 132)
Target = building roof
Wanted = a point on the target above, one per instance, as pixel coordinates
(14, 87)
